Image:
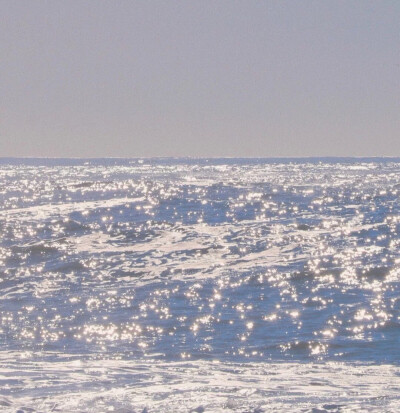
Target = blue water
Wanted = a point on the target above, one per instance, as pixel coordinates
(232, 261)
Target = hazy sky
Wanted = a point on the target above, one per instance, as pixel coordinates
(199, 78)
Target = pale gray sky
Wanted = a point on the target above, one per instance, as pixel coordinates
(199, 78)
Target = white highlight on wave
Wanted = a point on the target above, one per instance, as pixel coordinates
(200, 386)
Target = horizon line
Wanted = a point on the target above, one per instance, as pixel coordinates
(204, 157)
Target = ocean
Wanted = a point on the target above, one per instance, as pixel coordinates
(200, 285)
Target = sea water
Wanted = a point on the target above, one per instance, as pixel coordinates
(178, 285)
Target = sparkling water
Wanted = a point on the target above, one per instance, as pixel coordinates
(166, 285)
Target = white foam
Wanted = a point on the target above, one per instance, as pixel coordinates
(128, 386)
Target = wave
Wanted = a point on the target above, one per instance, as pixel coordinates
(126, 386)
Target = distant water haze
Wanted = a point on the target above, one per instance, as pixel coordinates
(199, 78)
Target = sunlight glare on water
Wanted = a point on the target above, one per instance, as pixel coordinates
(200, 261)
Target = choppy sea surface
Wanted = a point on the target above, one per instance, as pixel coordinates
(199, 285)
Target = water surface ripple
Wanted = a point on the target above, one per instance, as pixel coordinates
(172, 267)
